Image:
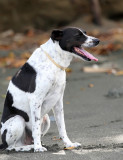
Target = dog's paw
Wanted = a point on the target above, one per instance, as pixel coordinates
(40, 149)
(73, 145)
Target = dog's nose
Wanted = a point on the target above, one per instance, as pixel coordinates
(96, 41)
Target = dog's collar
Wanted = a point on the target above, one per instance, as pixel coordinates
(56, 64)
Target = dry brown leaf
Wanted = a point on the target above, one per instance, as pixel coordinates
(30, 33)
(56, 139)
(119, 73)
(105, 49)
(11, 55)
(44, 37)
(91, 85)
(12, 61)
(8, 78)
(18, 63)
(25, 55)
(82, 89)
(5, 47)
(69, 148)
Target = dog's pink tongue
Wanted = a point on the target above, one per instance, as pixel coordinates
(88, 55)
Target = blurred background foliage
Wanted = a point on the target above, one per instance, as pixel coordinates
(48, 14)
(26, 24)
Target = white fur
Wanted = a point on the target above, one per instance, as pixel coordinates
(89, 41)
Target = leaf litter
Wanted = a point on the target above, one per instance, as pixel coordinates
(111, 40)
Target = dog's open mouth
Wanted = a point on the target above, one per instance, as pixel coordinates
(84, 54)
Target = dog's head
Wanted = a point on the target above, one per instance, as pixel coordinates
(73, 40)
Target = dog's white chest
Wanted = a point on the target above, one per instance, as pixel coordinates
(54, 94)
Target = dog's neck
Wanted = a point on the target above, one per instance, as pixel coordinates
(61, 57)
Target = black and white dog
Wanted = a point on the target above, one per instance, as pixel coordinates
(38, 87)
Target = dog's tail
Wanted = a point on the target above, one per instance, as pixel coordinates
(3, 146)
(45, 124)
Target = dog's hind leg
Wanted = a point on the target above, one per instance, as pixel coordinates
(12, 132)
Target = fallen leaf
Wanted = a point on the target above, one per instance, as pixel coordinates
(67, 102)
(119, 73)
(82, 89)
(18, 63)
(105, 49)
(90, 85)
(4, 47)
(69, 148)
(30, 33)
(8, 78)
(25, 55)
(56, 139)
(11, 55)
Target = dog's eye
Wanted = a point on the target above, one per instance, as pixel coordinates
(77, 35)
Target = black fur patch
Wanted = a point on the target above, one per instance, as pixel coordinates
(56, 35)
(69, 38)
(10, 111)
(24, 79)
(4, 145)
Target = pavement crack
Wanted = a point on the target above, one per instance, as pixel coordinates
(102, 146)
(95, 126)
(116, 121)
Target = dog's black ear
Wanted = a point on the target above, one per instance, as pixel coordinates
(56, 35)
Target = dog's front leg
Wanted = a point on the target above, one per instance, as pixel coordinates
(36, 124)
(59, 116)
